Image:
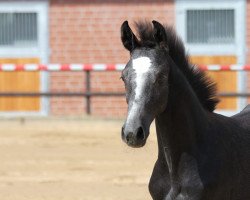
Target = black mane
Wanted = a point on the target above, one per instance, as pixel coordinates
(202, 85)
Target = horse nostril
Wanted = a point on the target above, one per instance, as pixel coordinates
(122, 132)
(140, 134)
(129, 136)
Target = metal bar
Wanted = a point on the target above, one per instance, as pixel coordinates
(89, 94)
(88, 90)
(234, 94)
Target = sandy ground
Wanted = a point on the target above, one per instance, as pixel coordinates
(72, 159)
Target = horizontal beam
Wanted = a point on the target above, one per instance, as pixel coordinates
(243, 94)
(103, 67)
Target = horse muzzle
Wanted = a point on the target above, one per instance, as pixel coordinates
(134, 136)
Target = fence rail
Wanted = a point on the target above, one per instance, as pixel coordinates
(87, 68)
(103, 67)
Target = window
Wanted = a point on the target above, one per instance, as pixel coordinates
(210, 26)
(18, 29)
(23, 29)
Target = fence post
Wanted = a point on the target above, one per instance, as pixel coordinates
(88, 92)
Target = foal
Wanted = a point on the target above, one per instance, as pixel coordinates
(201, 154)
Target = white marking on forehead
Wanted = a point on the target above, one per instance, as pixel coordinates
(141, 66)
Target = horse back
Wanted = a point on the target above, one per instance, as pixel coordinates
(243, 118)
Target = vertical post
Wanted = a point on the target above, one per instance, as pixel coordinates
(88, 92)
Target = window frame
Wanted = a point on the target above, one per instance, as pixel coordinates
(223, 49)
(38, 7)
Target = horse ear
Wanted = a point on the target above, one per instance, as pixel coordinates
(129, 40)
(159, 33)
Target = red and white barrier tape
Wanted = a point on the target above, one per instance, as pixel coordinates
(104, 67)
(62, 67)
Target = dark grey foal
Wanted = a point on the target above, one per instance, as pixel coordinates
(202, 155)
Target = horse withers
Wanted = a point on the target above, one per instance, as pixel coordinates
(201, 154)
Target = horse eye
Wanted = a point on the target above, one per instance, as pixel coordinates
(161, 79)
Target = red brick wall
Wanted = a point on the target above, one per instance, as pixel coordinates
(248, 44)
(89, 32)
(67, 82)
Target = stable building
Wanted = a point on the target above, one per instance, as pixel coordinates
(81, 31)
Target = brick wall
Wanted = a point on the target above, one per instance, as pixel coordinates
(89, 32)
(248, 44)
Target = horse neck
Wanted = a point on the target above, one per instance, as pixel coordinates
(182, 123)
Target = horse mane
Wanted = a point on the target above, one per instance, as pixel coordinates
(203, 86)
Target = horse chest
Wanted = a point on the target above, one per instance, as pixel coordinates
(185, 179)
